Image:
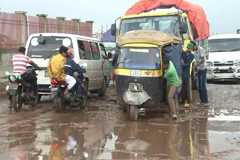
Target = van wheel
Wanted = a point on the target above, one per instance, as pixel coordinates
(39, 98)
(102, 92)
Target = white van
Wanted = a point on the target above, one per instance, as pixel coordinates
(40, 47)
(224, 58)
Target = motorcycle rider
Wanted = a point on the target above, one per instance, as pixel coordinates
(20, 62)
(56, 71)
(71, 68)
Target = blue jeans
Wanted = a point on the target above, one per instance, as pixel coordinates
(78, 87)
(202, 89)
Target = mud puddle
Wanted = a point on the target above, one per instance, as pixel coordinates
(72, 136)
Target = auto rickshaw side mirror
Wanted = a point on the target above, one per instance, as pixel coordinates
(113, 29)
(109, 55)
(183, 27)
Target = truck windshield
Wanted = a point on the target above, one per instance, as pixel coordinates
(139, 58)
(166, 24)
(50, 46)
(224, 45)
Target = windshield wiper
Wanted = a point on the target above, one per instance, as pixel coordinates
(236, 49)
(51, 54)
(122, 62)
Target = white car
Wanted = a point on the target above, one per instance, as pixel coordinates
(224, 58)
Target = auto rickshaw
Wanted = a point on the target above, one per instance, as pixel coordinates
(139, 72)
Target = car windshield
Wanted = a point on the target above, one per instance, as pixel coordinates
(49, 46)
(224, 45)
(139, 58)
(166, 24)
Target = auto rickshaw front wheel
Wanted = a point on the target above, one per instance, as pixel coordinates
(133, 113)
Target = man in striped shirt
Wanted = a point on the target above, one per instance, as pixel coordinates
(20, 62)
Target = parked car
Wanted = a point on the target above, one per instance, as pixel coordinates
(224, 58)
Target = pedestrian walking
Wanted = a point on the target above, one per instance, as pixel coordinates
(201, 67)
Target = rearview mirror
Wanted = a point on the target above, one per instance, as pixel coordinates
(183, 27)
(109, 55)
(113, 29)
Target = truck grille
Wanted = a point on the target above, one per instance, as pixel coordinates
(223, 71)
(228, 63)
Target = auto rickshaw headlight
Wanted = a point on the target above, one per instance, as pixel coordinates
(135, 88)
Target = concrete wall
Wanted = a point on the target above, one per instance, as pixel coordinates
(6, 62)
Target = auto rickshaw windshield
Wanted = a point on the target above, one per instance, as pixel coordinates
(139, 58)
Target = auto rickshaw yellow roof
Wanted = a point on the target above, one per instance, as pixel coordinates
(148, 37)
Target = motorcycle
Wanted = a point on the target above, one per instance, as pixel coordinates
(57, 93)
(19, 90)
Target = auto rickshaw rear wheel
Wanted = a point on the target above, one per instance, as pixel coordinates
(133, 113)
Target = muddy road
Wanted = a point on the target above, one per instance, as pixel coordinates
(103, 131)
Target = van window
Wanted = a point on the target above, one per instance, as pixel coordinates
(84, 50)
(103, 51)
(95, 51)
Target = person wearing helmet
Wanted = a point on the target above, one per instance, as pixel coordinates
(70, 68)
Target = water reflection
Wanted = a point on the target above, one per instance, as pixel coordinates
(167, 139)
(71, 138)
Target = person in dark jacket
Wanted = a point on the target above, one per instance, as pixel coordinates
(187, 58)
(70, 68)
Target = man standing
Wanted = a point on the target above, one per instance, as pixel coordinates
(187, 59)
(172, 84)
(201, 67)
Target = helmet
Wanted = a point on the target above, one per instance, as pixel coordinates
(70, 52)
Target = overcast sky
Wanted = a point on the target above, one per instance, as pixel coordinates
(223, 15)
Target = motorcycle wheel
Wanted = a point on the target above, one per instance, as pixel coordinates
(35, 102)
(58, 104)
(16, 103)
(85, 96)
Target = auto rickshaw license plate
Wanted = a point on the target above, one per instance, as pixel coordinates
(136, 72)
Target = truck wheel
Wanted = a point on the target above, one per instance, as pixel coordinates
(190, 91)
(16, 103)
(102, 92)
(133, 113)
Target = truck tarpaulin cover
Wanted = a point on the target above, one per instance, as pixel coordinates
(196, 13)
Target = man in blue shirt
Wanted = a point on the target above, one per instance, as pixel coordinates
(70, 68)
(187, 58)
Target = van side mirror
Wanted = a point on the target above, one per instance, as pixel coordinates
(109, 55)
(113, 29)
(183, 27)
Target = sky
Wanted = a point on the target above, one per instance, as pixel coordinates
(223, 15)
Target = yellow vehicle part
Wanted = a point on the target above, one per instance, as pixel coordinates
(144, 73)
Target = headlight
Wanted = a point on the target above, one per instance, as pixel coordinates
(136, 87)
(238, 71)
(12, 78)
(209, 64)
(237, 63)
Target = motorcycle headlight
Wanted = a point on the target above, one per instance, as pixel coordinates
(209, 64)
(12, 78)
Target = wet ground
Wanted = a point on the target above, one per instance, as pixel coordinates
(103, 131)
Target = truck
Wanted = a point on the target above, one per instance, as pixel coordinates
(167, 17)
